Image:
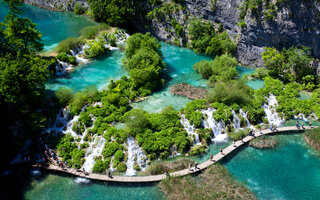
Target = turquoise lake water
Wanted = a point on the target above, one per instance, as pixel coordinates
(54, 26)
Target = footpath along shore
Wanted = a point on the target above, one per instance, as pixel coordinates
(157, 178)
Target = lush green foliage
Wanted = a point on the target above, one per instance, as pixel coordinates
(96, 48)
(204, 39)
(223, 68)
(79, 9)
(231, 92)
(239, 134)
(192, 111)
(290, 65)
(143, 60)
(90, 32)
(64, 96)
(69, 151)
(100, 166)
(68, 44)
(65, 58)
(113, 12)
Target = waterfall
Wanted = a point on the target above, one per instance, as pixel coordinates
(77, 52)
(244, 115)
(270, 110)
(236, 121)
(217, 127)
(190, 129)
(95, 149)
(135, 156)
(301, 117)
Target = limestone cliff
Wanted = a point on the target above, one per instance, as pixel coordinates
(288, 23)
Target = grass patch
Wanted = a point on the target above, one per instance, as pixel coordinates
(313, 138)
(161, 167)
(215, 183)
(69, 43)
(264, 142)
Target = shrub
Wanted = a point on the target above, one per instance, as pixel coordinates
(79, 9)
(118, 157)
(100, 166)
(122, 167)
(96, 48)
(68, 44)
(84, 145)
(90, 32)
(239, 134)
(64, 95)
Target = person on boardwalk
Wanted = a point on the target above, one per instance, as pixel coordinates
(195, 165)
(189, 166)
(275, 127)
(211, 157)
(297, 124)
(271, 127)
(167, 173)
(260, 130)
(310, 124)
(302, 125)
(234, 144)
(221, 151)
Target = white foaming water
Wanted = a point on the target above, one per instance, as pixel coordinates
(217, 128)
(190, 129)
(270, 110)
(244, 115)
(301, 117)
(95, 149)
(134, 152)
(35, 172)
(78, 52)
(236, 120)
(82, 180)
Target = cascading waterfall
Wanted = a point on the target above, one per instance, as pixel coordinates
(135, 156)
(270, 110)
(236, 120)
(244, 115)
(217, 128)
(95, 149)
(190, 129)
(78, 51)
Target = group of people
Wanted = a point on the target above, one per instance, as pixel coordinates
(302, 124)
(273, 127)
(195, 166)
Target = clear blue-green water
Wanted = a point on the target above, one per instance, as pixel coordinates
(50, 186)
(54, 26)
(291, 171)
(98, 73)
(304, 96)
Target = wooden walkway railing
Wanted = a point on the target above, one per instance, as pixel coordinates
(156, 178)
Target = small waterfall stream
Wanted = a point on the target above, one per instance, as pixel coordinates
(270, 110)
(217, 127)
(190, 129)
(135, 156)
(244, 115)
(236, 120)
(95, 149)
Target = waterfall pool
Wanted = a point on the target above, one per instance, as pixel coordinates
(54, 26)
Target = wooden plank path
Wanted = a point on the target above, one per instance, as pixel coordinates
(156, 178)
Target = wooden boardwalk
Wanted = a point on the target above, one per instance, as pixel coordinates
(156, 178)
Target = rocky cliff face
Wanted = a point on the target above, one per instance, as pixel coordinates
(57, 4)
(293, 23)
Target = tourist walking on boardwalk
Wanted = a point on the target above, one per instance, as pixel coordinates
(271, 127)
(302, 125)
(196, 165)
(211, 157)
(189, 167)
(234, 144)
(221, 151)
(297, 124)
(310, 124)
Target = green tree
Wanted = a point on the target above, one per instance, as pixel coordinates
(113, 12)
(21, 34)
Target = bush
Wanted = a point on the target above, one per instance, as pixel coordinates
(64, 95)
(84, 145)
(239, 134)
(110, 148)
(68, 44)
(79, 9)
(122, 167)
(90, 32)
(100, 166)
(96, 48)
(231, 92)
(118, 157)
